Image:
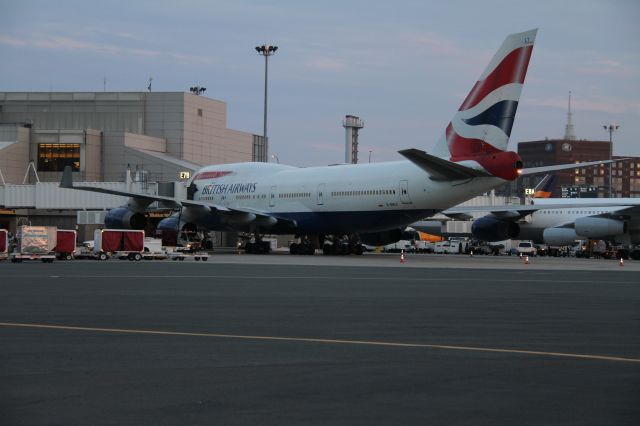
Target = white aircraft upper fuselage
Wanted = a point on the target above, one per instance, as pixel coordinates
(339, 198)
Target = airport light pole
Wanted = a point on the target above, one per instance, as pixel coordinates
(266, 51)
(610, 128)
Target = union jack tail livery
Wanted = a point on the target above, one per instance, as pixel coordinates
(478, 134)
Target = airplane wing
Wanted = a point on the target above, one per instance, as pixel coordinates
(441, 169)
(546, 169)
(231, 215)
(630, 212)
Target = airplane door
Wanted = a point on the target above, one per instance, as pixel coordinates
(404, 192)
(272, 196)
(320, 196)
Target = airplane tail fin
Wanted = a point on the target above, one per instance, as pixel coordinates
(544, 188)
(479, 132)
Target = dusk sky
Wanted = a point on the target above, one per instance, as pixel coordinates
(404, 67)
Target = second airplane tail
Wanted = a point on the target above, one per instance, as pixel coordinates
(544, 189)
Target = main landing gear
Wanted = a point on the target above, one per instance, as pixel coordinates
(256, 245)
(342, 246)
(332, 245)
(302, 245)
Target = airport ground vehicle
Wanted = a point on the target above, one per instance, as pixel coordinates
(35, 243)
(403, 245)
(153, 249)
(481, 247)
(120, 243)
(181, 254)
(448, 247)
(526, 248)
(4, 244)
(65, 244)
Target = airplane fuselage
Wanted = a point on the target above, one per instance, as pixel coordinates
(540, 220)
(337, 199)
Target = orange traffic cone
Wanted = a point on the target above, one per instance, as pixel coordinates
(526, 260)
(621, 262)
(402, 256)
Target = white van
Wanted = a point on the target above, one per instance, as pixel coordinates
(447, 247)
(526, 248)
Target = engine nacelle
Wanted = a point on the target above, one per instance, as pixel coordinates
(123, 218)
(168, 228)
(490, 228)
(598, 227)
(381, 238)
(559, 236)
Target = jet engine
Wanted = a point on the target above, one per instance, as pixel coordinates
(168, 228)
(598, 227)
(490, 228)
(559, 236)
(123, 218)
(381, 238)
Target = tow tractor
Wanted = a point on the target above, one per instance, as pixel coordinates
(191, 250)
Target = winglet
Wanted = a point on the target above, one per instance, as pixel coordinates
(67, 178)
(439, 168)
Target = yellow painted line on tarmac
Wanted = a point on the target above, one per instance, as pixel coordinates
(325, 341)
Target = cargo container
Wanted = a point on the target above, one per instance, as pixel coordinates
(35, 243)
(66, 244)
(120, 243)
(4, 244)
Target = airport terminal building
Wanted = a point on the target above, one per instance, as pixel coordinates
(153, 137)
(589, 182)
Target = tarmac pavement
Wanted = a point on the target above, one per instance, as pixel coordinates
(262, 340)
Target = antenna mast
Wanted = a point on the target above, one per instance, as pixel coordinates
(569, 133)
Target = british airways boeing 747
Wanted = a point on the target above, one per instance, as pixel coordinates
(360, 203)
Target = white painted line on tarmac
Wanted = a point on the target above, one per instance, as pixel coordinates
(325, 341)
(324, 277)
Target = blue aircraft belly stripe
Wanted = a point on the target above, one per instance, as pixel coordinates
(353, 221)
(342, 222)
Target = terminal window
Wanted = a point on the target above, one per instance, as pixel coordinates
(54, 157)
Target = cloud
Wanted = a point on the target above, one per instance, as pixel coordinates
(599, 104)
(326, 146)
(58, 42)
(325, 64)
(606, 67)
(11, 41)
(431, 42)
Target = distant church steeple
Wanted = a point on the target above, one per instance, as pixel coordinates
(569, 133)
